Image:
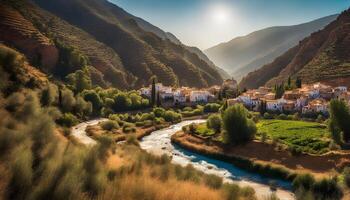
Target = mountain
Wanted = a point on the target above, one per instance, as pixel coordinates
(146, 26)
(323, 56)
(103, 37)
(247, 53)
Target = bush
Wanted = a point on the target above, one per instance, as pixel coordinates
(109, 125)
(132, 140)
(67, 120)
(268, 116)
(231, 191)
(158, 112)
(346, 174)
(211, 107)
(303, 181)
(283, 117)
(263, 137)
(214, 122)
(171, 116)
(327, 189)
(213, 181)
(238, 128)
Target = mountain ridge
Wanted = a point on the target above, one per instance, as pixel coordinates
(244, 54)
(323, 56)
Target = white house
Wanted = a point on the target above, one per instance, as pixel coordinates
(246, 100)
(316, 106)
(145, 92)
(301, 102)
(273, 105)
(199, 96)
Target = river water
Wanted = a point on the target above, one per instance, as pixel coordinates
(159, 142)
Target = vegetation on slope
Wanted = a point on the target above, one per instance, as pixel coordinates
(142, 53)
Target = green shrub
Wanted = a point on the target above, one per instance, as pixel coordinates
(304, 181)
(238, 128)
(132, 140)
(211, 107)
(282, 117)
(327, 189)
(158, 112)
(187, 109)
(139, 124)
(268, 116)
(171, 116)
(231, 191)
(213, 181)
(67, 120)
(346, 174)
(109, 125)
(214, 122)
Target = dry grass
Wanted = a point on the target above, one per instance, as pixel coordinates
(139, 175)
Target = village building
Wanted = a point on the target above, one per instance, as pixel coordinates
(289, 106)
(292, 95)
(200, 96)
(273, 105)
(270, 96)
(316, 106)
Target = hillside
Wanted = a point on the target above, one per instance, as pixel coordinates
(148, 27)
(323, 56)
(142, 53)
(245, 54)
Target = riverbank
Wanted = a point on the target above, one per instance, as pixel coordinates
(264, 158)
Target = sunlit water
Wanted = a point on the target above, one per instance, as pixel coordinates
(159, 142)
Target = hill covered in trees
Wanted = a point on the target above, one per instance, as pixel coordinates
(247, 53)
(112, 43)
(323, 56)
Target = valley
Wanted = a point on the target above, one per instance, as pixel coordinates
(96, 102)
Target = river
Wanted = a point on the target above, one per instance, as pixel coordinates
(159, 142)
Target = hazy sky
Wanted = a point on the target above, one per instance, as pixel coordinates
(205, 23)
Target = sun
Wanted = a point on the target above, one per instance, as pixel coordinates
(220, 14)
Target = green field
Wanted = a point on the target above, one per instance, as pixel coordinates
(297, 135)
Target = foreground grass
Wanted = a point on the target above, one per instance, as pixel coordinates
(144, 176)
(301, 136)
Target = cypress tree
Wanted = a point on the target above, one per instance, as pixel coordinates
(153, 92)
(159, 103)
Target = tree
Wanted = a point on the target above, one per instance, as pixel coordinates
(289, 82)
(159, 103)
(263, 108)
(68, 100)
(298, 82)
(214, 122)
(339, 119)
(237, 127)
(153, 92)
(79, 80)
(95, 99)
(279, 90)
(122, 102)
(49, 95)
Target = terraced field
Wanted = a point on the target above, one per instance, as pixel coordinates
(301, 136)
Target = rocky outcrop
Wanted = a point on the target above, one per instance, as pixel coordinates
(18, 32)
